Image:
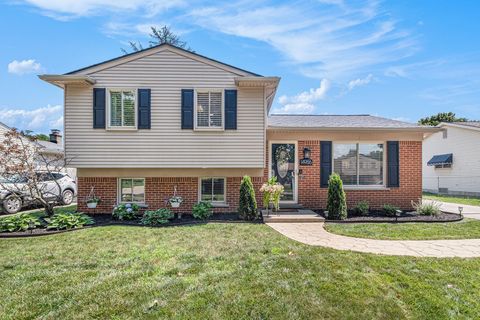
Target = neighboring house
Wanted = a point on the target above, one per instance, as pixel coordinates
(451, 159)
(141, 125)
(51, 149)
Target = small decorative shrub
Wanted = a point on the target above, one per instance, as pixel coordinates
(127, 211)
(431, 208)
(19, 222)
(362, 208)
(68, 220)
(247, 208)
(336, 201)
(157, 217)
(389, 209)
(202, 210)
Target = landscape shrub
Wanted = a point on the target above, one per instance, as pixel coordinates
(389, 209)
(247, 207)
(202, 210)
(68, 220)
(157, 217)
(362, 208)
(431, 208)
(336, 201)
(19, 222)
(127, 211)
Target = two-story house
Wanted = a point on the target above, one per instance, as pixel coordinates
(140, 125)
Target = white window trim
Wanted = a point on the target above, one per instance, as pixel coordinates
(222, 108)
(119, 190)
(214, 203)
(108, 109)
(382, 186)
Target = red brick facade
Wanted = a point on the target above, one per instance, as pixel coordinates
(310, 195)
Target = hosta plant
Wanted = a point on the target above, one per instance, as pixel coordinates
(157, 217)
(69, 220)
(19, 222)
(202, 210)
(126, 211)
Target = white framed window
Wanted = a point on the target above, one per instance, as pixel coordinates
(131, 190)
(443, 166)
(213, 189)
(360, 164)
(209, 109)
(122, 109)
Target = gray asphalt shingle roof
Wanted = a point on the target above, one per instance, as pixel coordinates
(337, 121)
(475, 124)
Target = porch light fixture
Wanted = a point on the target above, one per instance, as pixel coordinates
(307, 153)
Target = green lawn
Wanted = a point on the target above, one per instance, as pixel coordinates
(465, 229)
(453, 199)
(223, 271)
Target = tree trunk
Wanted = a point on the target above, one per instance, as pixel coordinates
(48, 209)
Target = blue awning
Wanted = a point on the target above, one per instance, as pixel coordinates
(441, 159)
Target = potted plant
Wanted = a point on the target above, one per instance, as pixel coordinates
(175, 201)
(92, 200)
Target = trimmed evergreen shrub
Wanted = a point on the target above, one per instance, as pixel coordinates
(336, 201)
(247, 207)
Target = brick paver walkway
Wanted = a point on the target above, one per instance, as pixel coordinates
(314, 234)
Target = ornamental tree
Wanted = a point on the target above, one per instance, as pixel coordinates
(25, 169)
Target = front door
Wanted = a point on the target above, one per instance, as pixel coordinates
(283, 166)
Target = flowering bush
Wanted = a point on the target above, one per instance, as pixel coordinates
(127, 211)
(272, 191)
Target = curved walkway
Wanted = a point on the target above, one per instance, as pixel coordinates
(314, 234)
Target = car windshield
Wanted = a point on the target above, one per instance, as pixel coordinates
(13, 178)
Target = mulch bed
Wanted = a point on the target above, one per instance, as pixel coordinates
(404, 217)
(106, 220)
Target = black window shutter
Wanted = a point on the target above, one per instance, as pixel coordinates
(144, 109)
(393, 174)
(99, 108)
(187, 108)
(230, 109)
(325, 162)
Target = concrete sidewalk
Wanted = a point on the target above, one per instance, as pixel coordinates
(314, 234)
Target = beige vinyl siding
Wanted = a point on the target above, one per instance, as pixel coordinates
(165, 144)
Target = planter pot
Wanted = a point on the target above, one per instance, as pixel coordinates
(91, 205)
(175, 204)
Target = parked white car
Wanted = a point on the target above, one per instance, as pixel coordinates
(55, 187)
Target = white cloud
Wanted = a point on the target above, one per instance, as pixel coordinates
(64, 9)
(24, 66)
(304, 101)
(360, 82)
(40, 119)
(325, 41)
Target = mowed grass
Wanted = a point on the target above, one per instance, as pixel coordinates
(473, 201)
(465, 229)
(223, 271)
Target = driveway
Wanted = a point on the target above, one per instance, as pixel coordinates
(468, 211)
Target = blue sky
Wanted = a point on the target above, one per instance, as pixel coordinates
(398, 59)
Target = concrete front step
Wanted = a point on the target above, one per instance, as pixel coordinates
(297, 216)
